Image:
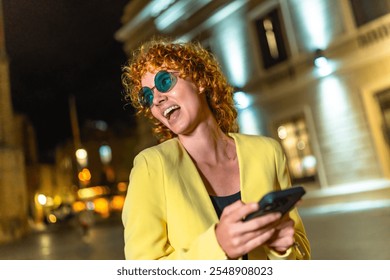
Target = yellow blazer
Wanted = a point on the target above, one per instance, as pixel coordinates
(168, 213)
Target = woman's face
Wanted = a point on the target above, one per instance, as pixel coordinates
(182, 108)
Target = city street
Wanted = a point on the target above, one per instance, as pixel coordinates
(103, 242)
(354, 226)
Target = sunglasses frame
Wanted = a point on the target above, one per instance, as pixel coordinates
(147, 91)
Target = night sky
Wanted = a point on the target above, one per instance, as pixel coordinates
(59, 48)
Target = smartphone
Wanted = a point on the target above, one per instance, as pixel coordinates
(278, 201)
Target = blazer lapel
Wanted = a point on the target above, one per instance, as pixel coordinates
(193, 186)
(248, 155)
(250, 190)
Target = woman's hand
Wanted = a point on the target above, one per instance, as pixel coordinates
(237, 237)
(283, 237)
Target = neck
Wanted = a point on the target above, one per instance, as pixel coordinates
(209, 144)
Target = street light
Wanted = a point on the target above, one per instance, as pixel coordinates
(82, 157)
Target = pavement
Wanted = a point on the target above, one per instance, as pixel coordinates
(348, 222)
(103, 241)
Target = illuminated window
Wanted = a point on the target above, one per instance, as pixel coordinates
(271, 39)
(365, 11)
(295, 141)
(384, 103)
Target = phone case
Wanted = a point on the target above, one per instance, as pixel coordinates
(278, 201)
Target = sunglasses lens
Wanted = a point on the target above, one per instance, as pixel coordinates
(164, 81)
(146, 97)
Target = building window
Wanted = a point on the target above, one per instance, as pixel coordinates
(384, 104)
(295, 141)
(365, 11)
(270, 35)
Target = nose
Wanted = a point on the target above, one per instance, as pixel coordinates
(159, 97)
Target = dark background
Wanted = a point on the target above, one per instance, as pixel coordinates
(58, 48)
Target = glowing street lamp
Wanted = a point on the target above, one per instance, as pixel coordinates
(82, 157)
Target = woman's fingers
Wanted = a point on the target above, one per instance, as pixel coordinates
(283, 237)
(237, 210)
(237, 237)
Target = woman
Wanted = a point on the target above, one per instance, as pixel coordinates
(188, 195)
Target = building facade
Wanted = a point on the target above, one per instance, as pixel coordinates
(13, 189)
(313, 74)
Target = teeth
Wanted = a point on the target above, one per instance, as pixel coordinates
(168, 110)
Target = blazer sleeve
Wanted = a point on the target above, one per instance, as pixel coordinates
(143, 212)
(301, 248)
(144, 218)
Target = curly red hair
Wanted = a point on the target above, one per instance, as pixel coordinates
(192, 61)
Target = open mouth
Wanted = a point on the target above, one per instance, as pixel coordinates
(168, 112)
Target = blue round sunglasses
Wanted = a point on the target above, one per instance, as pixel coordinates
(164, 81)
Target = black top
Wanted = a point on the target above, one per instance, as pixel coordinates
(220, 202)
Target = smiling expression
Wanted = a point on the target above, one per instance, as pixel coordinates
(181, 109)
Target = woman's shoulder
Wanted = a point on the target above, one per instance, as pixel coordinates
(255, 140)
(168, 148)
(256, 146)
